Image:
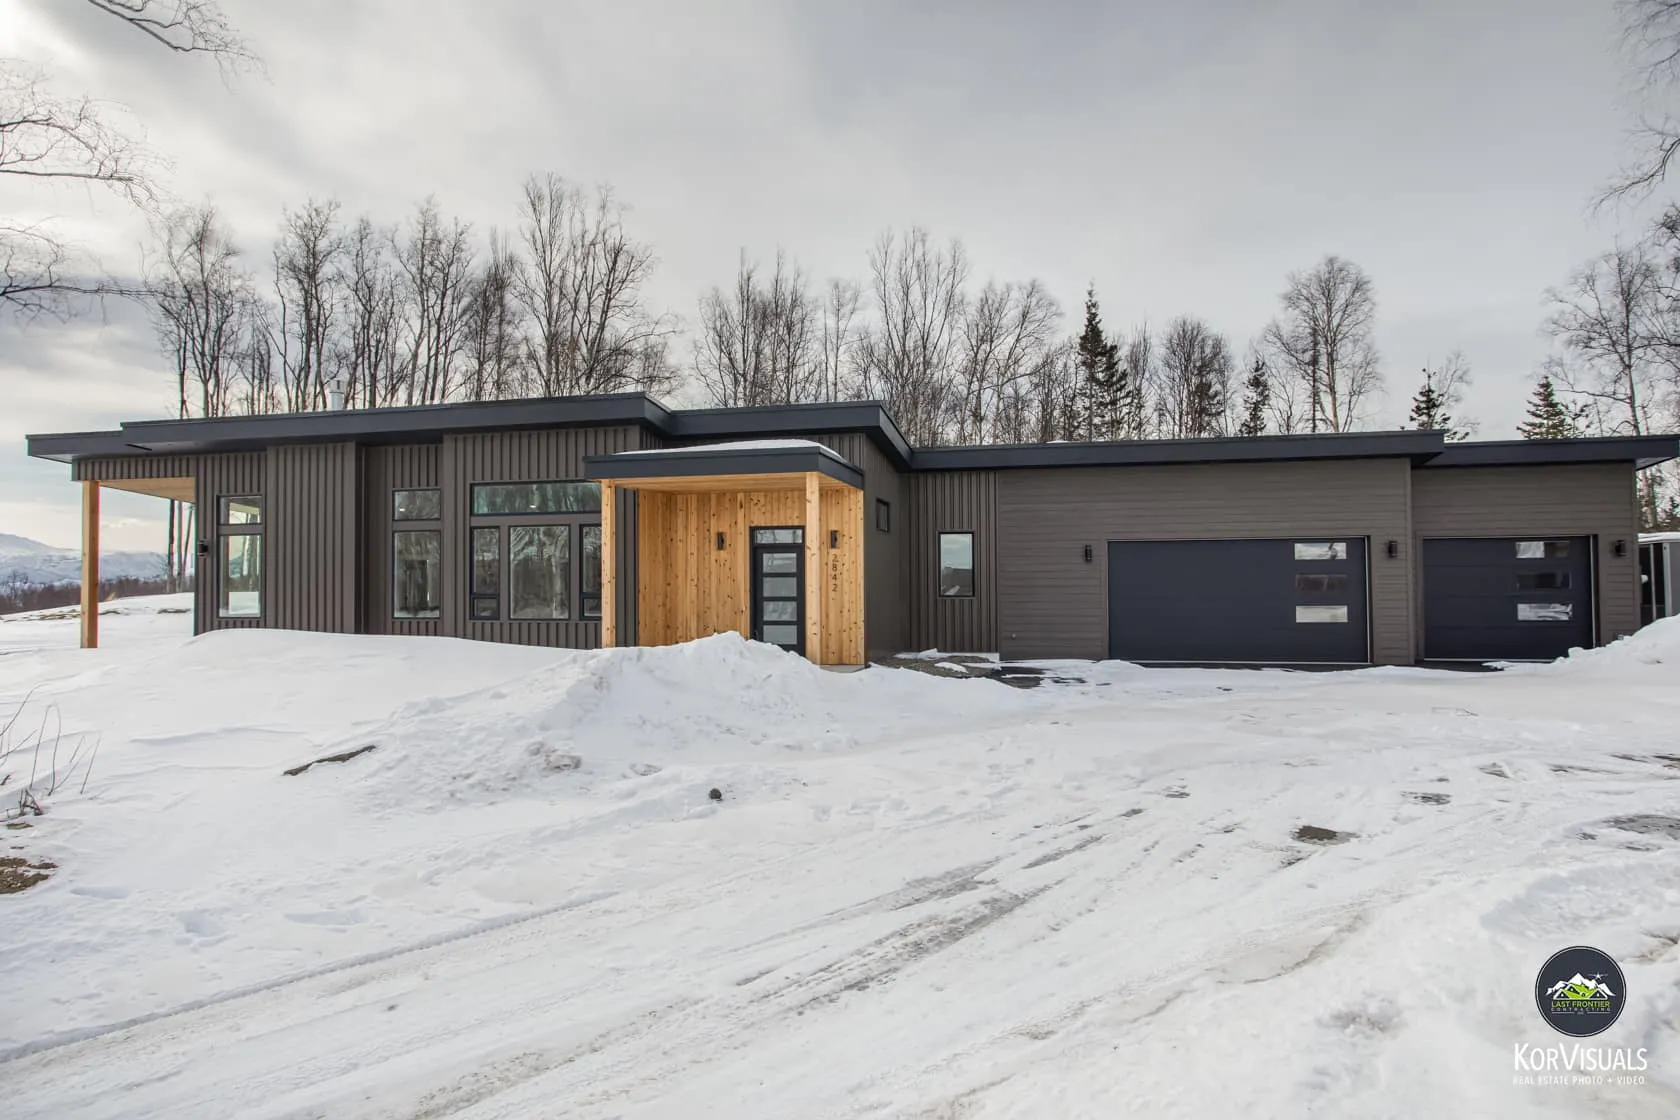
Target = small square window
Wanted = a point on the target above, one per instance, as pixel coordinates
(956, 565)
(246, 510)
(883, 516)
(416, 505)
(1321, 614)
(1321, 550)
(778, 536)
(1542, 550)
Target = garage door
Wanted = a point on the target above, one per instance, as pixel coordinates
(1271, 601)
(1506, 598)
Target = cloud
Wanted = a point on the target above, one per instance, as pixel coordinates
(1184, 158)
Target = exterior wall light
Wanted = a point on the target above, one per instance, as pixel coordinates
(834, 538)
(1087, 554)
(1619, 548)
(720, 542)
(1393, 549)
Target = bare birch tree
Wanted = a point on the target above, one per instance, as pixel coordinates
(434, 264)
(839, 339)
(369, 334)
(47, 136)
(907, 357)
(1192, 380)
(1008, 337)
(1325, 340)
(306, 275)
(581, 287)
(760, 342)
(493, 359)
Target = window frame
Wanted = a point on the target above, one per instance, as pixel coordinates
(569, 576)
(436, 534)
(226, 532)
(883, 515)
(575, 522)
(474, 489)
(939, 565)
(397, 514)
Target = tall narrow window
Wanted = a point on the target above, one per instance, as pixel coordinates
(589, 571)
(241, 576)
(417, 573)
(486, 573)
(240, 580)
(883, 515)
(956, 565)
(539, 571)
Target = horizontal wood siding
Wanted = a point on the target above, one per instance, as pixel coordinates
(1054, 603)
(952, 502)
(232, 474)
(886, 629)
(537, 455)
(1564, 501)
(386, 470)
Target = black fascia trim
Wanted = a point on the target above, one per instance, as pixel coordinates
(1640, 451)
(699, 463)
(1417, 446)
(67, 447)
(868, 417)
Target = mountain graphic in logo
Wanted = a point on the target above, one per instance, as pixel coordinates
(1578, 987)
(1580, 991)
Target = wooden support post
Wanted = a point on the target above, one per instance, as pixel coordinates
(609, 565)
(90, 565)
(815, 551)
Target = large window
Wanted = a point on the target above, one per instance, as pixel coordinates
(956, 565)
(539, 571)
(502, 499)
(240, 580)
(417, 573)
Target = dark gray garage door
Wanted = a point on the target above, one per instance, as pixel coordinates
(1276, 601)
(1505, 598)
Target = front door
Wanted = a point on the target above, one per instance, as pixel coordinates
(778, 585)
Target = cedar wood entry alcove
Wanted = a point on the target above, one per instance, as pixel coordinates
(696, 509)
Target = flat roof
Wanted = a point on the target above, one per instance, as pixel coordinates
(1641, 451)
(430, 423)
(764, 457)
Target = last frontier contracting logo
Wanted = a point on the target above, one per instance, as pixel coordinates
(1580, 991)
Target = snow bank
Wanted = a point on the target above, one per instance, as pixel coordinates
(721, 700)
(1656, 644)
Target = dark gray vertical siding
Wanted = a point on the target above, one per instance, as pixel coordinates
(1594, 499)
(952, 502)
(135, 466)
(387, 469)
(312, 515)
(884, 614)
(526, 456)
(226, 475)
(1054, 602)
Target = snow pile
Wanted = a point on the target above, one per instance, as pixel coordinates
(719, 701)
(1656, 644)
(741, 445)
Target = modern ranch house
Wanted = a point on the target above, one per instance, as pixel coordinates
(613, 520)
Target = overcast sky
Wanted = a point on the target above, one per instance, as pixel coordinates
(1183, 157)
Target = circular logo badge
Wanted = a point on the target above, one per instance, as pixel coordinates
(1580, 991)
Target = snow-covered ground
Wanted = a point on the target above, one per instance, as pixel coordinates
(918, 896)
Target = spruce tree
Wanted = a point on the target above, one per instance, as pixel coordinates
(1257, 395)
(1429, 407)
(1102, 388)
(1549, 417)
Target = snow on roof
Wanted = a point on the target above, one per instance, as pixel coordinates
(1659, 538)
(744, 445)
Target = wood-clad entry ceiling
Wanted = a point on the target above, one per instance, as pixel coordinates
(175, 489)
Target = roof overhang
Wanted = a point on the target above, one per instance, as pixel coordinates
(869, 417)
(1637, 451)
(1417, 446)
(724, 468)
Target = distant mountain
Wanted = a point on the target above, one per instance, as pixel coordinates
(29, 563)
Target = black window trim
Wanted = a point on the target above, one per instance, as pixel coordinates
(221, 576)
(227, 526)
(474, 596)
(527, 514)
(397, 518)
(435, 528)
(973, 563)
(883, 515)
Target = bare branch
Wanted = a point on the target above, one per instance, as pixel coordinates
(184, 26)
